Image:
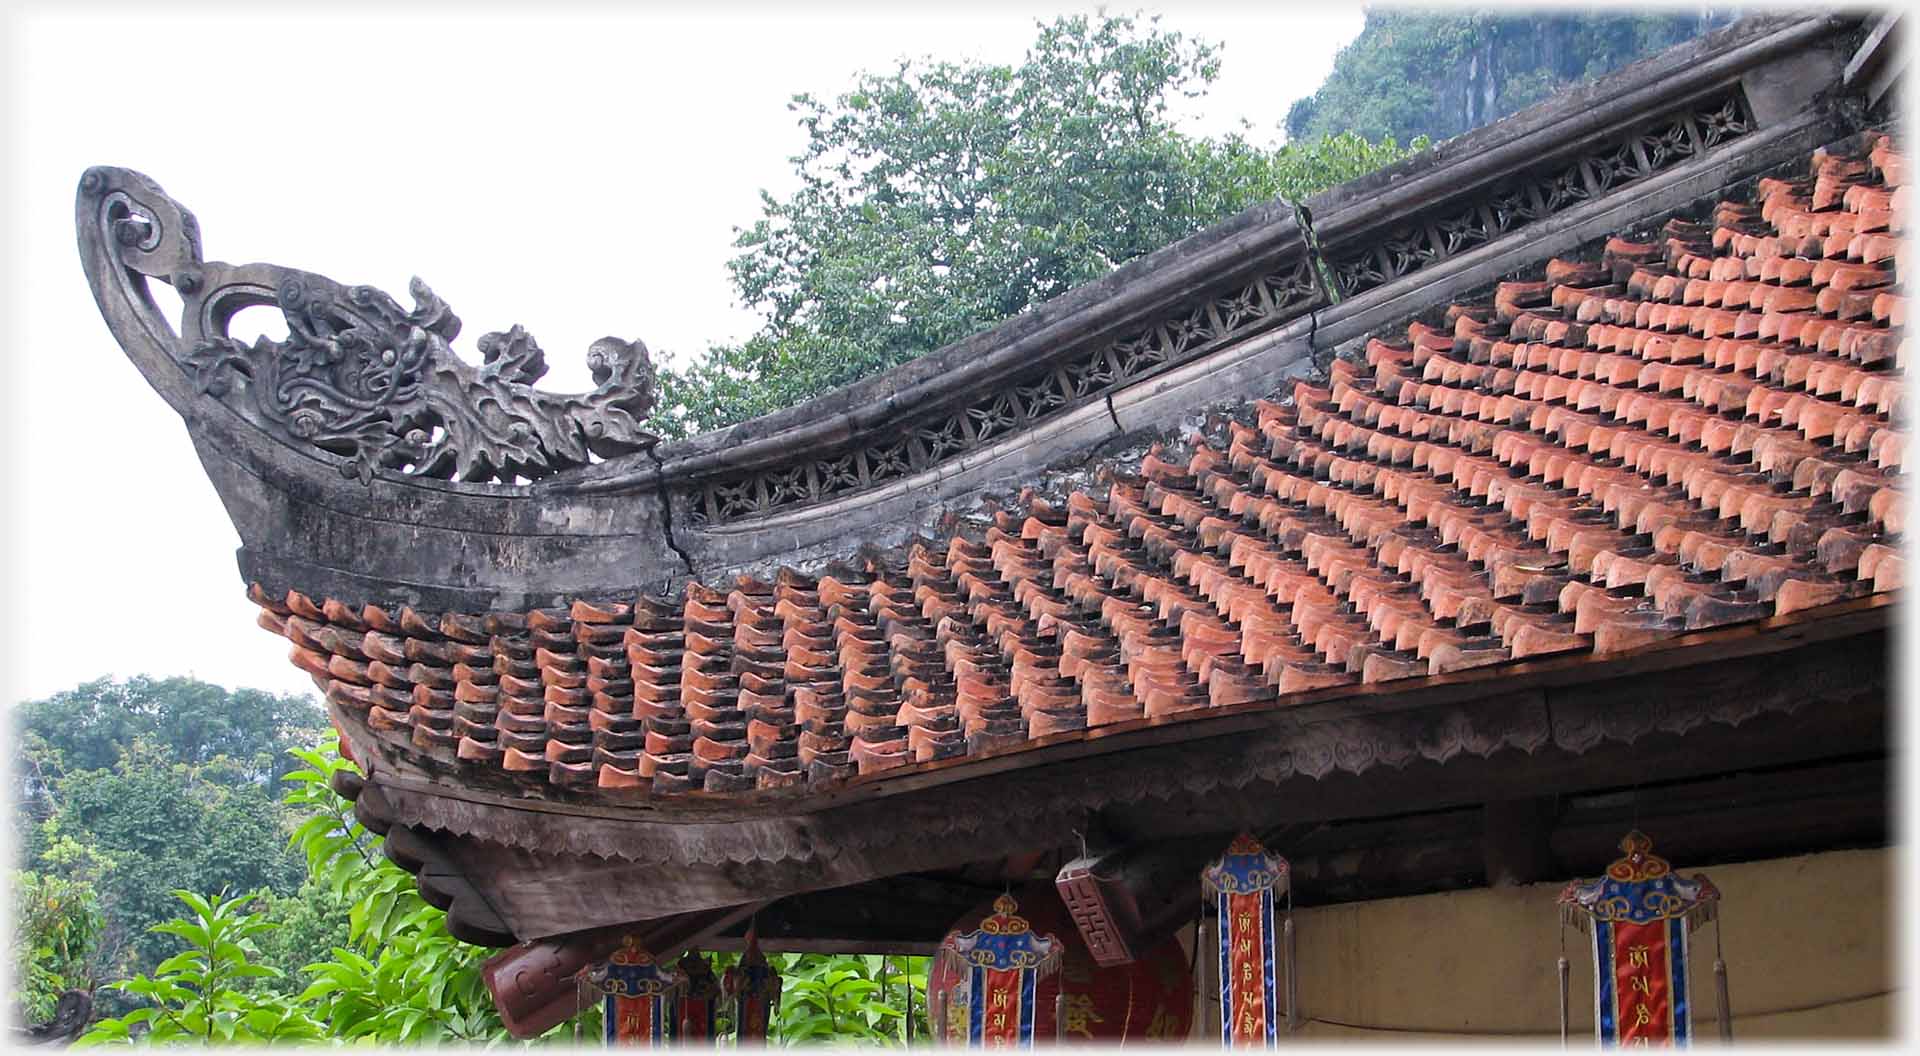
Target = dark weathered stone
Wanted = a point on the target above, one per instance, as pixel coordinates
(1230, 312)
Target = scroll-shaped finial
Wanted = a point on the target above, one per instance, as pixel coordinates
(357, 376)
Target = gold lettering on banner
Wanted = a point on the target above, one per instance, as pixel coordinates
(1641, 1016)
(1637, 955)
(1080, 1015)
(1642, 984)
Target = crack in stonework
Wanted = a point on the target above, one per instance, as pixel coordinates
(1316, 267)
(666, 511)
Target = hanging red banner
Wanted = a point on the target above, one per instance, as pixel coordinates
(997, 969)
(1641, 913)
(754, 988)
(1244, 882)
(638, 994)
(699, 1002)
(1149, 1000)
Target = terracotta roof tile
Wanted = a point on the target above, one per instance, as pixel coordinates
(1695, 430)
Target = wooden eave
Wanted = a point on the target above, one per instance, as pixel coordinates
(1783, 692)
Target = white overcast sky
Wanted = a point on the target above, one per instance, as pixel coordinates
(578, 171)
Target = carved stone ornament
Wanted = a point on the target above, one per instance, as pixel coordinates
(1189, 329)
(362, 378)
(1551, 186)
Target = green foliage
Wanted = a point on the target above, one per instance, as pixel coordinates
(244, 969)
(394, 974)
(311, 919)
(144, 785)
(407, 980)
(941, 198)
(195, 722)
(858, 998)
(1438, 73)
(57, 923)
(195, 994)
(155, 824)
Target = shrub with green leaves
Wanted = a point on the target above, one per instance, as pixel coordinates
(57, 923)
(196, 996)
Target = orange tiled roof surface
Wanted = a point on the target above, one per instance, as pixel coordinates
(1693, 431)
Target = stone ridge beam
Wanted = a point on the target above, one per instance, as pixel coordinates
(443, 511)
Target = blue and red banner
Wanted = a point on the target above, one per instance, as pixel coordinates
(698, 1002)
(638, 996)
(1244, 882)
(753, 986)
(1148, 1000)
(1641, 914)
(1002, 963)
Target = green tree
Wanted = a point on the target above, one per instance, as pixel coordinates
(157, 824)
(245, 970)
(87, 727)
(941, 198)
(1439, 73)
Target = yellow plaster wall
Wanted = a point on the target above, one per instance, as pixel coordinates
(1809, 944)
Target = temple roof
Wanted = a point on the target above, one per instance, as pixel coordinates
(1580, 428)
(1693, 431)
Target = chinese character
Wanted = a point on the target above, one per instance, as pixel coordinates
(1163, 1025)
(1080, 1015)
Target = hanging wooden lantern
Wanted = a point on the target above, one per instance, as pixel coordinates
(1243, 883)
(699, 1000)
(1148, 1000)
(1640, 915)
(753, 986)
(998, 968)
(638, 995)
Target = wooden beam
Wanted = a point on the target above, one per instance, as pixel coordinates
(1514, 841)
(1862, 618)
(1684, 723)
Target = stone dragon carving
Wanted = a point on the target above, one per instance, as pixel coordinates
(358, 376)
(362, 377)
